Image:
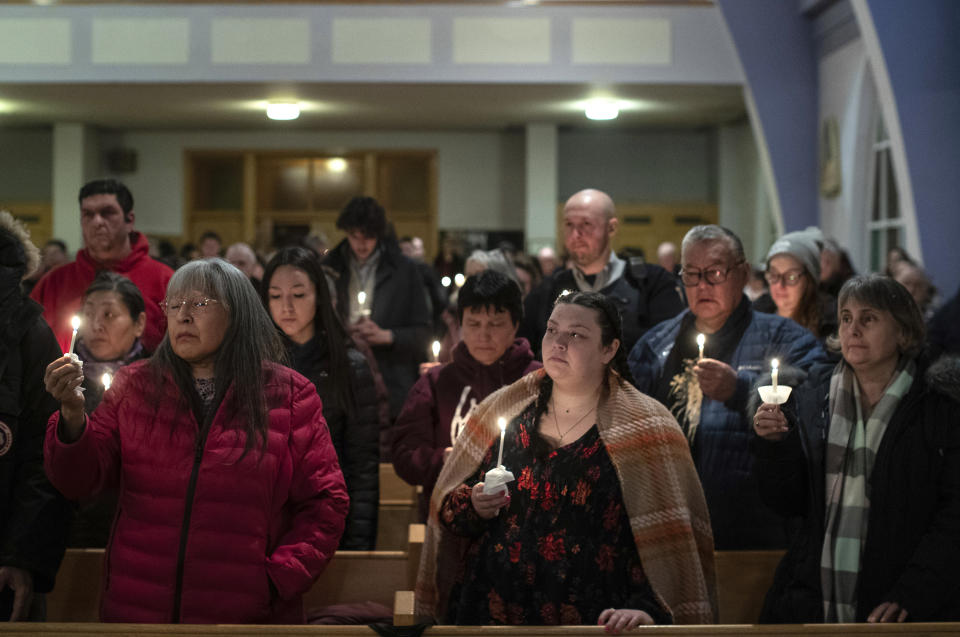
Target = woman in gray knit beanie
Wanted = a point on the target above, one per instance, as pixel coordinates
(793, 273)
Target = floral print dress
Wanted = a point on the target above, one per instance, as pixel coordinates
(561, 552)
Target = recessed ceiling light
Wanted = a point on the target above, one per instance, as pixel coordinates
(601, 108)
(283, 110)
(336, 164)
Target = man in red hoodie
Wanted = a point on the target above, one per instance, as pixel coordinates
(110, 243)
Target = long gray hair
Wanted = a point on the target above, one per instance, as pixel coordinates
(250, 341)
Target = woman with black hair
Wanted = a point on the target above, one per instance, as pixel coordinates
(113, 317)
(295, 292)
(113, 320)
(231, 498)
(490, 356)
(606, 522)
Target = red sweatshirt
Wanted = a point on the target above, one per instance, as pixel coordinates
(60, 291)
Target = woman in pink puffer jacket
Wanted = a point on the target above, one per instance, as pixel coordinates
(231, 498)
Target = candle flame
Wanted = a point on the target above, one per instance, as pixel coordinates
(701, 339)
(445, 281)
(459, 279)
(502, 423)
(75, 322)
(361, 297)
(106, 380)
(436, 348)
(774, 364)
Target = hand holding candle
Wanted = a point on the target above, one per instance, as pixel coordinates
(701, 341)
(774, 393)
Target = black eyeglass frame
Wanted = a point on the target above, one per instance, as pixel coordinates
(719, 275)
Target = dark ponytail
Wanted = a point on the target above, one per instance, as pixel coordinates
(538, 444)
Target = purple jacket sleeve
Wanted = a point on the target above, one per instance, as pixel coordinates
(417, 452)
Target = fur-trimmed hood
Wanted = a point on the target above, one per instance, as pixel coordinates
(16, 250)
(943, 376)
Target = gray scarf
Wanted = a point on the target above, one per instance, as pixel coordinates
(852, 447)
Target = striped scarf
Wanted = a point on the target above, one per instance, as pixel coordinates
(659, 484)
(852, 447)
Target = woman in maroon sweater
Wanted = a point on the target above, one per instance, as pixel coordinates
(490, 356)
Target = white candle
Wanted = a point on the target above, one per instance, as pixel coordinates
(701, 341)
(106, 379)
(362, 302)
(75, 322)
(436, 350)
(502, 423)
(774, 369)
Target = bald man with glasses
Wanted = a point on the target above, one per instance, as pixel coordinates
(709, 393)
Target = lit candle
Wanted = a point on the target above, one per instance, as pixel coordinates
(459, 279)
(106, 379)
(701, 341)
(502, 423)
(362, 301)
(75, 322)
(445, 281)
(564, 292)
(436, 350)
(774, 369)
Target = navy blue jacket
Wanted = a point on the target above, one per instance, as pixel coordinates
(720, 448)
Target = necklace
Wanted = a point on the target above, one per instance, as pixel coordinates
(556, 423)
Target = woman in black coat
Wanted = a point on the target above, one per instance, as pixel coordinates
(33, 515)
(295, 292)
(868, 454)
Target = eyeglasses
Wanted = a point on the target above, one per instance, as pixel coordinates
(713, 276)
(790, 277)
(194, 306)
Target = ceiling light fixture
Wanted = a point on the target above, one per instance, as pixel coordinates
(601, 108)
(283, 110)
(336, 164)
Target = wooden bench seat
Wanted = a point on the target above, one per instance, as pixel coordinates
(351, 576)
(155, 630)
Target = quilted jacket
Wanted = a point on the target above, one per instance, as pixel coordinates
(720, 449)
(205, 534)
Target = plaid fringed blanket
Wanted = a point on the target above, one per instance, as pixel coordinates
(661, 492)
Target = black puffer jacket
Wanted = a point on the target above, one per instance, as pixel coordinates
(646, 295)
(912, 550)
(356, 439)
(33, 515)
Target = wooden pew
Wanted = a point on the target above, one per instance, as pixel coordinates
(351, 576)
(181, 630)
(398, 509)
(743, 578)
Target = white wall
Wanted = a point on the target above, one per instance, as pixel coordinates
(639, 166)
(846, 93)
(743, 203)
(26, 159)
